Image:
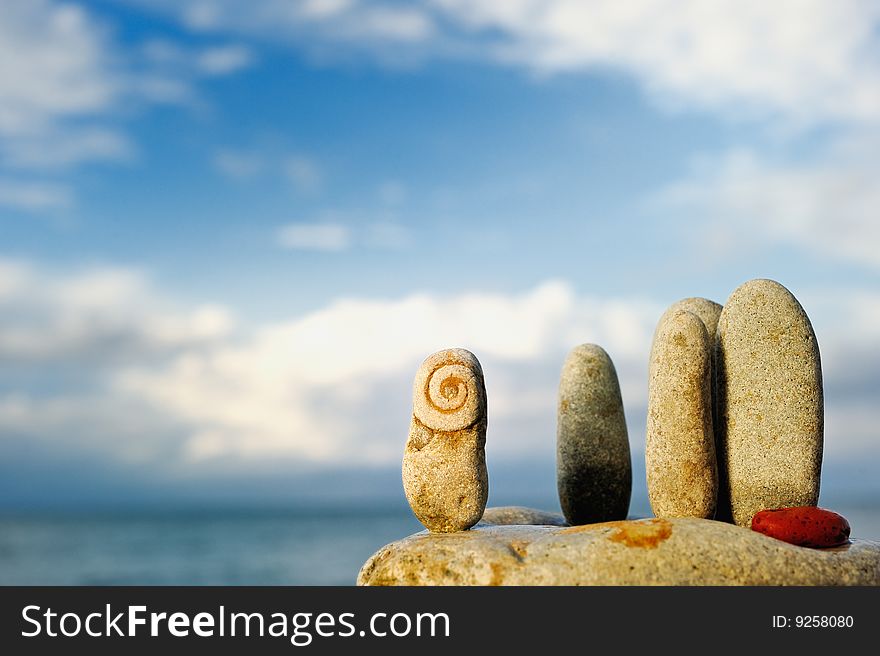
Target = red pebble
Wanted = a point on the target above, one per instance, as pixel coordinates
(805, 526)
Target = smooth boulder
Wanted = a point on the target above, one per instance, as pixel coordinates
(683, 551)
(769, 402)
(593, 466)
(444, 461)
(680, 460)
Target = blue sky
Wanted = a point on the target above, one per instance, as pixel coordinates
(229, 232)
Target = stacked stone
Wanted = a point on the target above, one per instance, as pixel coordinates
(755, 382)
(708, 312)
(769, 402)
(444, 462)
(593, 466)
(735, 421)
(680, 443)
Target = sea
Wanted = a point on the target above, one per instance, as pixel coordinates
(217, 547)
(253, 547)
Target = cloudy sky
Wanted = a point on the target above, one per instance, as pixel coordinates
(230, 231)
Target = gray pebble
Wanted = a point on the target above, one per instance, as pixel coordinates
(521, 515)
(593, 467)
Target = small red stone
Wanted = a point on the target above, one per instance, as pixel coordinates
(805, 526)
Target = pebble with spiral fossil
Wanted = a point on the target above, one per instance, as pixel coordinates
(444, 463)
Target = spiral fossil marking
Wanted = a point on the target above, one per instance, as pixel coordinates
(447, 389)
(448, 392)
(444, 462)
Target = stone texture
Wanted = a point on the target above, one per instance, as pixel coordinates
(593, 467)
(505, 515)
(444, 462)
(769, 402)
(708, 311)
(684, 551)
(680, 445)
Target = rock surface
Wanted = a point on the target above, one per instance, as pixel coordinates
(708, 312)
(769, 402)
(444, 462)
(520, 515)
(593, 467)
(680, 444)
(684, 551)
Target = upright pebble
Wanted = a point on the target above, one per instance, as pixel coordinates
(444, 463)
(769, 402)
(708, 312)
(593, 467)
(680, 445)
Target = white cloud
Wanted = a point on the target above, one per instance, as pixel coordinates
(352, 21)
(328, 237)
(827, 207)
(177, 60)
(224, 60)
(387, 235)
(803, 60)
(298, 169)
(66, 80)
(397, 23)
(338, 232)
(156, 380)
(13, 278)
(334, 385)
(186, 389)
(238, 165)
(87, 425)
(54, 63)
(100, 315)
(59, 81)
(33, 196)
(61, 148)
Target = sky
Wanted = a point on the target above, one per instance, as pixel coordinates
(231, 231)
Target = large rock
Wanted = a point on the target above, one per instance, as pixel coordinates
(444, 462)
(680, 445)
(684, 551)
(769, 402)
(593, 467)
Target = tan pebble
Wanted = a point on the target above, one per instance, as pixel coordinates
(769, 402)
(444, 463)
(593, 467)
(708, 312)
(680, 445)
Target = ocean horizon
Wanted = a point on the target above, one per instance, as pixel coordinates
(219, 546)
